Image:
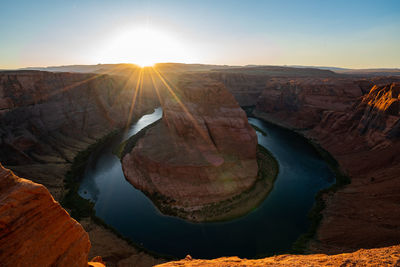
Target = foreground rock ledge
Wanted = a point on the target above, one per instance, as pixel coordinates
(202, 152)
(35, 230)
(388, 256)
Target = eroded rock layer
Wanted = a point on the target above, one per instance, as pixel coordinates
(365, 140)
(47, 118)
(388, 256)
(202, 152)
(34, 229)
(358, 123)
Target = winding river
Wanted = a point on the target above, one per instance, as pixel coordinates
(271, 228)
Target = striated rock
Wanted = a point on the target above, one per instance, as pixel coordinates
(365, 141)
(301, 101)
(34, 229)
(203, 151)
(47, 118)
(362, 133)
(388, 256)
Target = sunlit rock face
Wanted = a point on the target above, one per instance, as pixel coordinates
(389, 256)
(203, 151)
(34, 229)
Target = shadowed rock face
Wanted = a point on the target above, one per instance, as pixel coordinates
(47, 118)
(301, 101)
(40, 109)
(34, 229)
(365, 140)
(360, 128)
(203, 151)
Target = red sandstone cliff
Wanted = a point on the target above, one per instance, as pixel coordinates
(365, 140)
(358, 123)
(34, 229)
(203, 151)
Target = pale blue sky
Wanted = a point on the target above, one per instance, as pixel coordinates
(357, 34)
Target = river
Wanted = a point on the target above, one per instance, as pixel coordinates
(269, 229)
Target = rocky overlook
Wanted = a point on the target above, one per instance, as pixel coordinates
(390, 256)
(35, 229)
(202, 152)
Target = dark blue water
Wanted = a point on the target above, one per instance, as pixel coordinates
(271, 228)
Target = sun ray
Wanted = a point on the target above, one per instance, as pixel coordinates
(156, 87)
(134, 96)
(199, 129)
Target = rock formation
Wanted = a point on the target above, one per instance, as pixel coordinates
(358, 123)
(203, 151)
(388, 256)
(365, 140)
(47, 118)
(299, 102)
(34, 229)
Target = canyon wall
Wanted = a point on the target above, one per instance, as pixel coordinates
(357, 121)
(365, 140)
(202, 152)
(47, 118)
(248, 83)
(300, 102)
(36, 231)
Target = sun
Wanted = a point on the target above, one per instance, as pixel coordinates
(145, 46)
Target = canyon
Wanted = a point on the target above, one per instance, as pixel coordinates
(203, 152)
(358, 124)
(47, 118)
(356, 119)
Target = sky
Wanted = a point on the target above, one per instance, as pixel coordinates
(351, 33)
